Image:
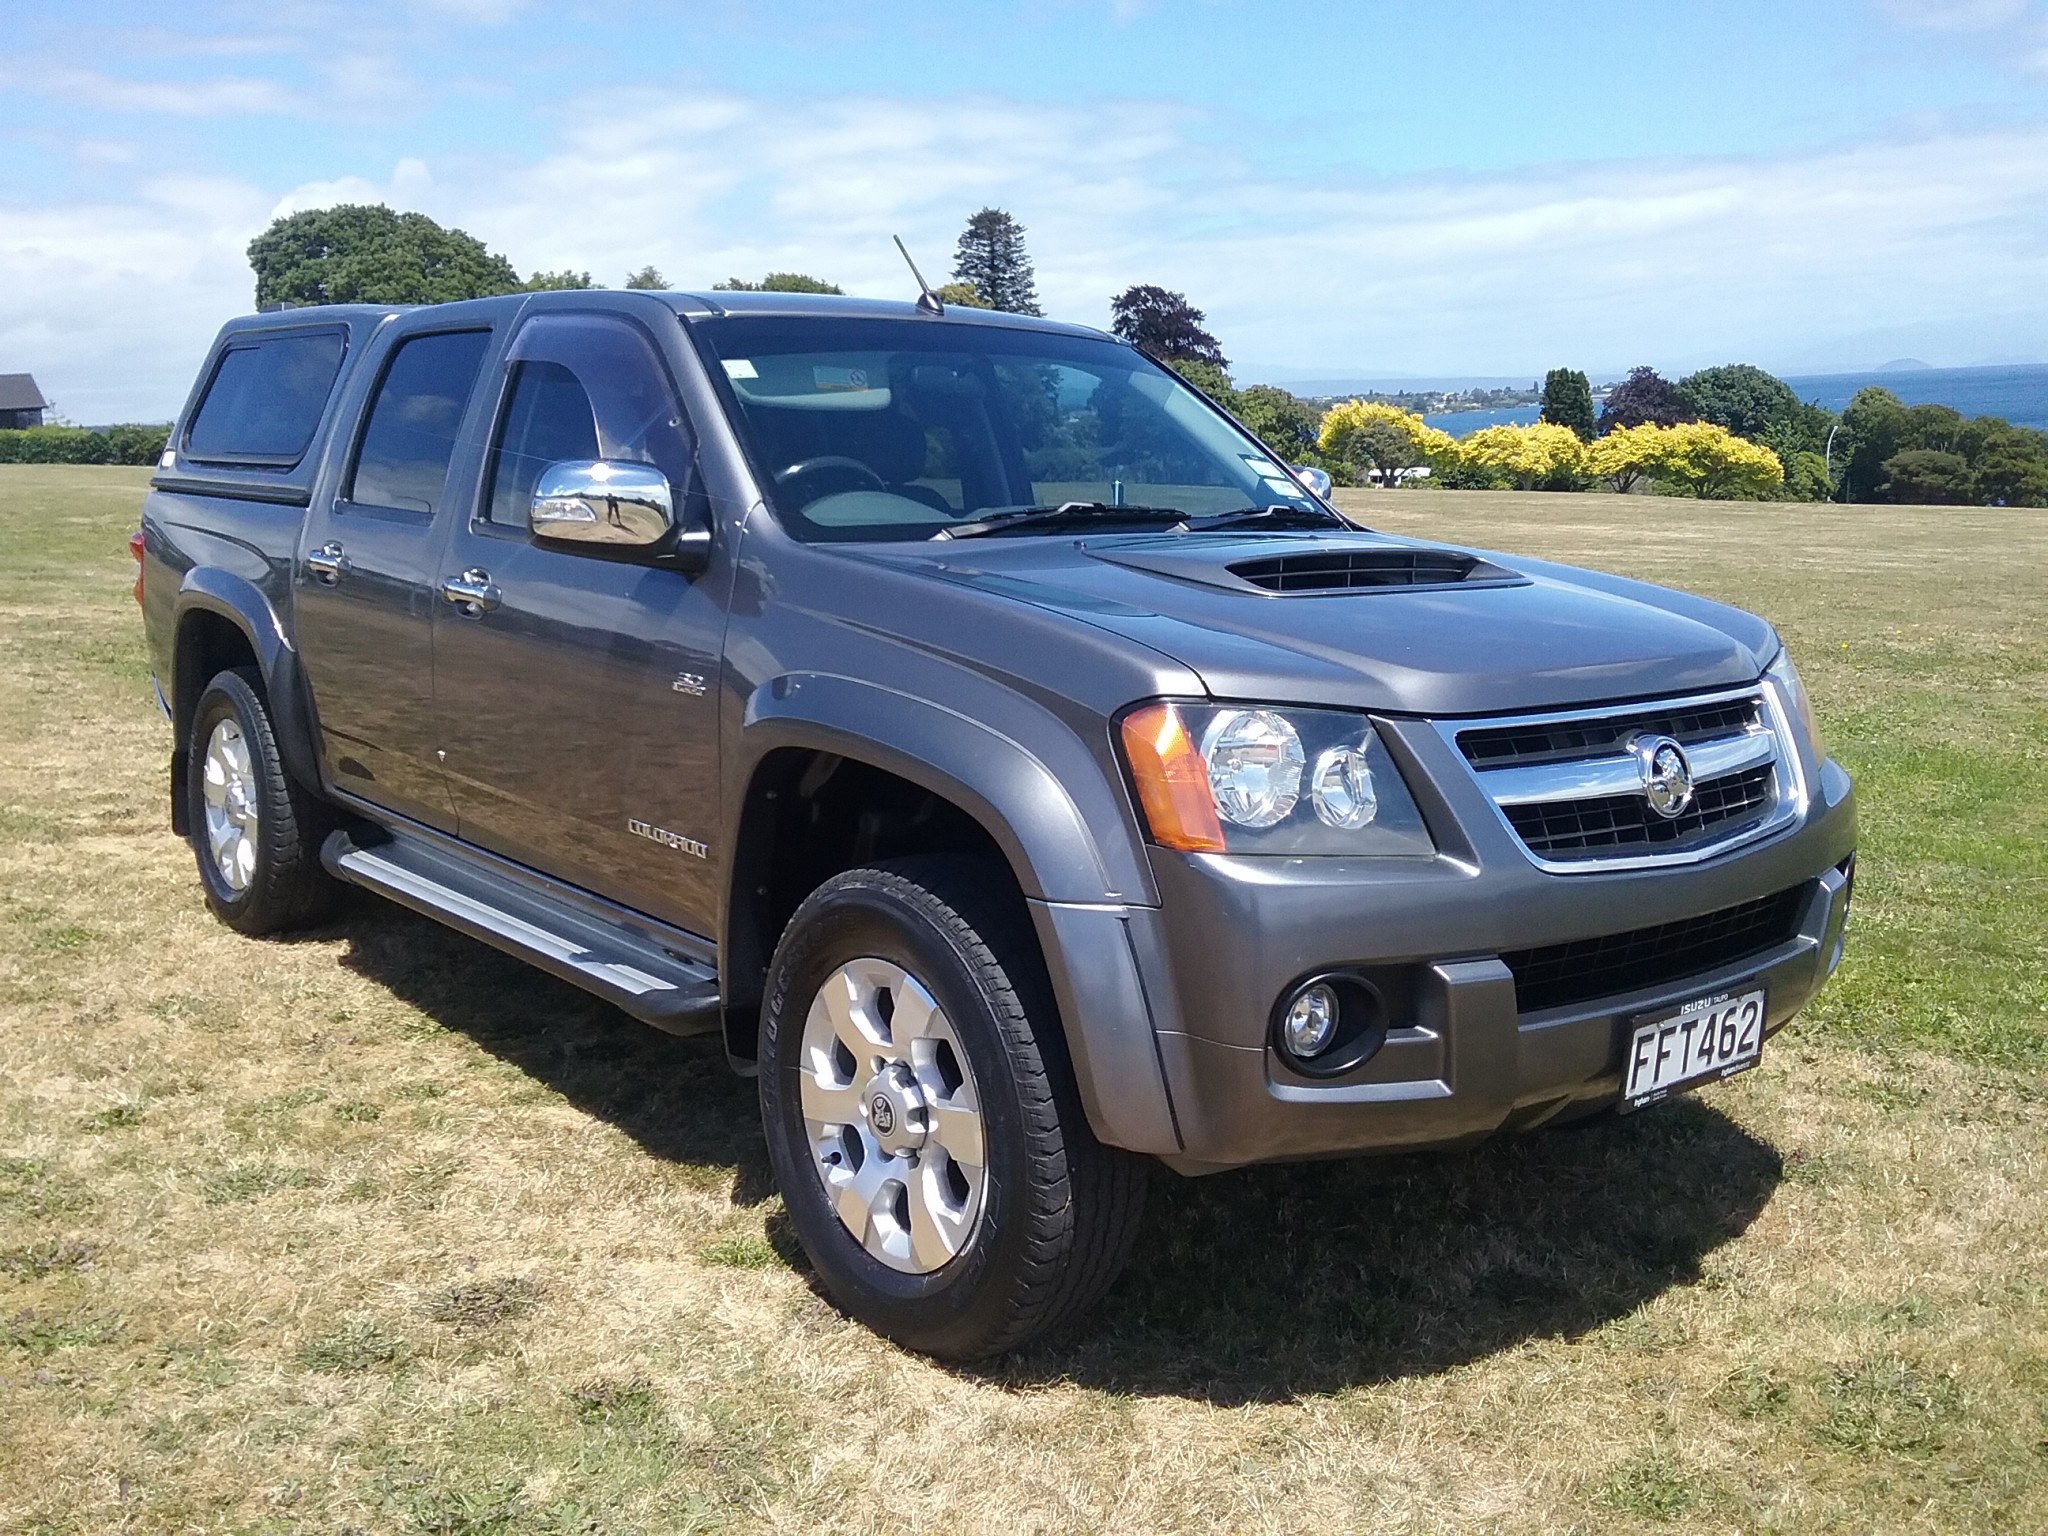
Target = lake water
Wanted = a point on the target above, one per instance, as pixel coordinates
(1465, 423)
(2018, 393)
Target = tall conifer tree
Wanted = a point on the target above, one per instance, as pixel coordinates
(991, 256)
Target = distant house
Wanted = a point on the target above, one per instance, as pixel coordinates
(21, 403)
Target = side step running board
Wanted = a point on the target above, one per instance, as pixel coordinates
(653, 984)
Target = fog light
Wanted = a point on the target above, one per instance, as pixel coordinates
(1311, 1022)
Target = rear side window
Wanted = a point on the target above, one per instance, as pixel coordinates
(265, 399)
(410, 438)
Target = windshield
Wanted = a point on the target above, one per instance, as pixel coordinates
(899, 429)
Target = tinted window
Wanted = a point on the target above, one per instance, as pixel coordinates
(893, 429)
(584, 387)
(547, 420)
(265, 399)
(411, 436)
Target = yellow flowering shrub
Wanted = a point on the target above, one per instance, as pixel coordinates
(1711, 461)
(1541, 453)
(1695, 457)
(1627, 455)
(1381, 438)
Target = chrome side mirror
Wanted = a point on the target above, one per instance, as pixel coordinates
(607, 502)
(1315, 479)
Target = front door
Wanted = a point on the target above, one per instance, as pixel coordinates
(369, 570)
(578, 708)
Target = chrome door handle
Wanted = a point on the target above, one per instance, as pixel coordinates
(328, 564)
(473, 591)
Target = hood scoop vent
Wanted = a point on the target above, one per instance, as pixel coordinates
(1353, 570)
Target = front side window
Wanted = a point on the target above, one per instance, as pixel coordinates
(896, 429)
(583, 387)
(410, 439)
(265, 399)
(547, 419)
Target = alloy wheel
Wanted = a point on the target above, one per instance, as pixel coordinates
(892, 1117)
(231, 800)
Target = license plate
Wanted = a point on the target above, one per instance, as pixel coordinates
(1708, 1039)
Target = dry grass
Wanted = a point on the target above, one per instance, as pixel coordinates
(378, 1230)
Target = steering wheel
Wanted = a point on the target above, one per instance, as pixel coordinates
(834, 472)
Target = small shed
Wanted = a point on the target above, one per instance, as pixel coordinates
(21, 403)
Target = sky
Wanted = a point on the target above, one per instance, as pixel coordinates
(1360, 190)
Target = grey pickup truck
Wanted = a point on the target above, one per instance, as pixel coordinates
(1027, 774)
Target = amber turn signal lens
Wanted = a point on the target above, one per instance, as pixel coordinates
(135, 549)
(1172, 779)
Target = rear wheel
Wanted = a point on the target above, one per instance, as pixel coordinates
(922, 1120)
(255, 830)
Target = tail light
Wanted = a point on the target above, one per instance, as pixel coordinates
(135, 549)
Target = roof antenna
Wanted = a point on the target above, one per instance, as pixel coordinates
(926, 299)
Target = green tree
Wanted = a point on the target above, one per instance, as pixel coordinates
(961, 296)
(1164, 326)
(778, 282)
(1381, 448)
(1740, 397)
(359, 253)
(1806, 476)
(646, 277)
(1927, 476)
(1208, 378)
(549, 282)
(1568, 401)
(1282, 421)
(990, 254)
(2011, 469)
(1875, 425)
(1805, 429)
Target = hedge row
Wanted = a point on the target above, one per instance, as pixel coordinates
(130, 444)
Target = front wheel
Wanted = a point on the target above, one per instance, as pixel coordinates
(921, 1118)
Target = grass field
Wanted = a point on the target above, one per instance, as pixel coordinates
(377, 1230)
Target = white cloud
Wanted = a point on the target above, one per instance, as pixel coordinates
(1801, 260)
(1954, 15)
(1693, 260)
(111, 304)
(223, 95)
(488, 13)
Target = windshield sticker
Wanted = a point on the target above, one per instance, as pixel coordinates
(838, 379)
(740, 368)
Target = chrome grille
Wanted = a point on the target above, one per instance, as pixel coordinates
(1553, 741)
(1568, 785)
(1567, 828)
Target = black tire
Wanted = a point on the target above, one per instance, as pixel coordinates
(286, 887)
(1059, 1212)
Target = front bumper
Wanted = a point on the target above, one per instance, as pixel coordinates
(1461, 1061)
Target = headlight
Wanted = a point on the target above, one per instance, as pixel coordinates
(1792, 694)
(1227, 778)
(1255, 761)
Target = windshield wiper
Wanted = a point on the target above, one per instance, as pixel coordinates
(1279, 515)
(1066, 515)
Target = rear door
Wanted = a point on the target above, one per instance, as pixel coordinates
(367, 583)
(579, 710)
